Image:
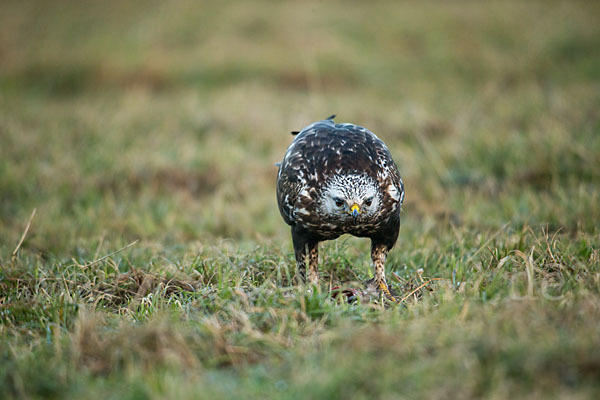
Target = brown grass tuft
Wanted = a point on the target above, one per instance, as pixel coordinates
(134, 285)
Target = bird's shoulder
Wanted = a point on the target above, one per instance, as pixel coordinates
(327, 148)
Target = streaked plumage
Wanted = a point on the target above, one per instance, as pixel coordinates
(336, 179)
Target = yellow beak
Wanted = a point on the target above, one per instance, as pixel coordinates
(355, 210)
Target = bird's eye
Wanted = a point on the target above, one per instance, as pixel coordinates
(339, 203)
(368, 202)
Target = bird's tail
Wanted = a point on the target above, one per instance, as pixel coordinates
(330, 118)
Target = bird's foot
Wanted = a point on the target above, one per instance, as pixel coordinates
(382, 288)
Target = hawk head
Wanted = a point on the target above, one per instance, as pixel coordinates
(349, 198)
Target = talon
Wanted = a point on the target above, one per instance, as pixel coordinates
(384, 288)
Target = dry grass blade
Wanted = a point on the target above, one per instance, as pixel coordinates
(110, 254)
(24, 235)
(488, 241)
(421, 286)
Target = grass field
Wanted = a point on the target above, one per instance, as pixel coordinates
(142, 135)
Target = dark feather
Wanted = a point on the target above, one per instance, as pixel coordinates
(326, 151)
(323, 150)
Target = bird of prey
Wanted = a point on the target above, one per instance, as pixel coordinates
(336, 179)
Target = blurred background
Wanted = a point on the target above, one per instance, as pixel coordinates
(161, 121)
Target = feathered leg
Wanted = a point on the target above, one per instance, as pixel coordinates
(302, 248)
(299, 243)
(378, 255)
(313, 262)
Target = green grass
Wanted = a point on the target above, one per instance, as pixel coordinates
(157, 265)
